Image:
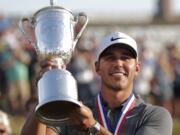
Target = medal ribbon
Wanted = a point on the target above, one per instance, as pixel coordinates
(102, 113)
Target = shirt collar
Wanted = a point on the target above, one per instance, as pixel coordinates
(119, 107)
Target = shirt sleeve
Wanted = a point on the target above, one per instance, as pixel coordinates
(157, 121)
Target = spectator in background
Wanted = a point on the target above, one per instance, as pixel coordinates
(32, 66)
(4, 24)
(174, 58)
(142, 84)
(162, 87)
(5, 127)
(82, 68)
(14, 61)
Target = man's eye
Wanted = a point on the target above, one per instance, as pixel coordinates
(110, 58)
(123, 58)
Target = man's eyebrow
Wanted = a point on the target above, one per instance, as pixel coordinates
(107, 53)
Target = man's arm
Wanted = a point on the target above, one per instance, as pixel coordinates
(82, 118)
(157, 122)
(32, 126)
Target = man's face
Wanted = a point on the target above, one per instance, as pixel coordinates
(117, 68)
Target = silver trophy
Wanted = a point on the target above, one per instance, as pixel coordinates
(57, 31)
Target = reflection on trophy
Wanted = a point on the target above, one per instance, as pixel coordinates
(56, 35)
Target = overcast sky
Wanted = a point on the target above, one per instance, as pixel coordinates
(137, 7)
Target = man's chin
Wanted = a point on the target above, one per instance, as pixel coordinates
(117, 87)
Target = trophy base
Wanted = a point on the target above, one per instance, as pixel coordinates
(56, 112)
(58, 97)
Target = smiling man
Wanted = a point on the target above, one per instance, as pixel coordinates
(117, 109)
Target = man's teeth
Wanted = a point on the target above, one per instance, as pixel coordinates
(117, 74)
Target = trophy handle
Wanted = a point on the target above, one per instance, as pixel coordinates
(82, 28)
(21, 27)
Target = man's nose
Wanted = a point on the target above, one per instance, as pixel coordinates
(119, 61)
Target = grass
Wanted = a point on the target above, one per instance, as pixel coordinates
(176, 127)
(17, 122)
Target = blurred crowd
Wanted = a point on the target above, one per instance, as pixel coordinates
(158, 82)
(18, 63)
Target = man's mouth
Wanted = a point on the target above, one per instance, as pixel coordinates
(118, 73)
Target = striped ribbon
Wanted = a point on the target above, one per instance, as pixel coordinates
(125, 110)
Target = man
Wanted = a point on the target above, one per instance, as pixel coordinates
(116, 110)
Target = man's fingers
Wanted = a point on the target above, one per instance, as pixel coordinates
(49, 63)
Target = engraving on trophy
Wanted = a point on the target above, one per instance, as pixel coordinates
(55, 30)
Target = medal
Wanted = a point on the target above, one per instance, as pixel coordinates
(129, 104)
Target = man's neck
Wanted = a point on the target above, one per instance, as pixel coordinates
(115, 98)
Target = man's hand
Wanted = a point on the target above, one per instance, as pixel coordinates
(82, 118)
(48, 64)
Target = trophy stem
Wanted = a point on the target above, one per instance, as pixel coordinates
(59, 62)
(53, 2)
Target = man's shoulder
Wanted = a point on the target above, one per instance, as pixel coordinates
(151, 113)
(154, 114)
(157, 113)
(152, 118)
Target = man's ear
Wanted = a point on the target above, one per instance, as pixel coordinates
(97, 66)
(138, 68)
